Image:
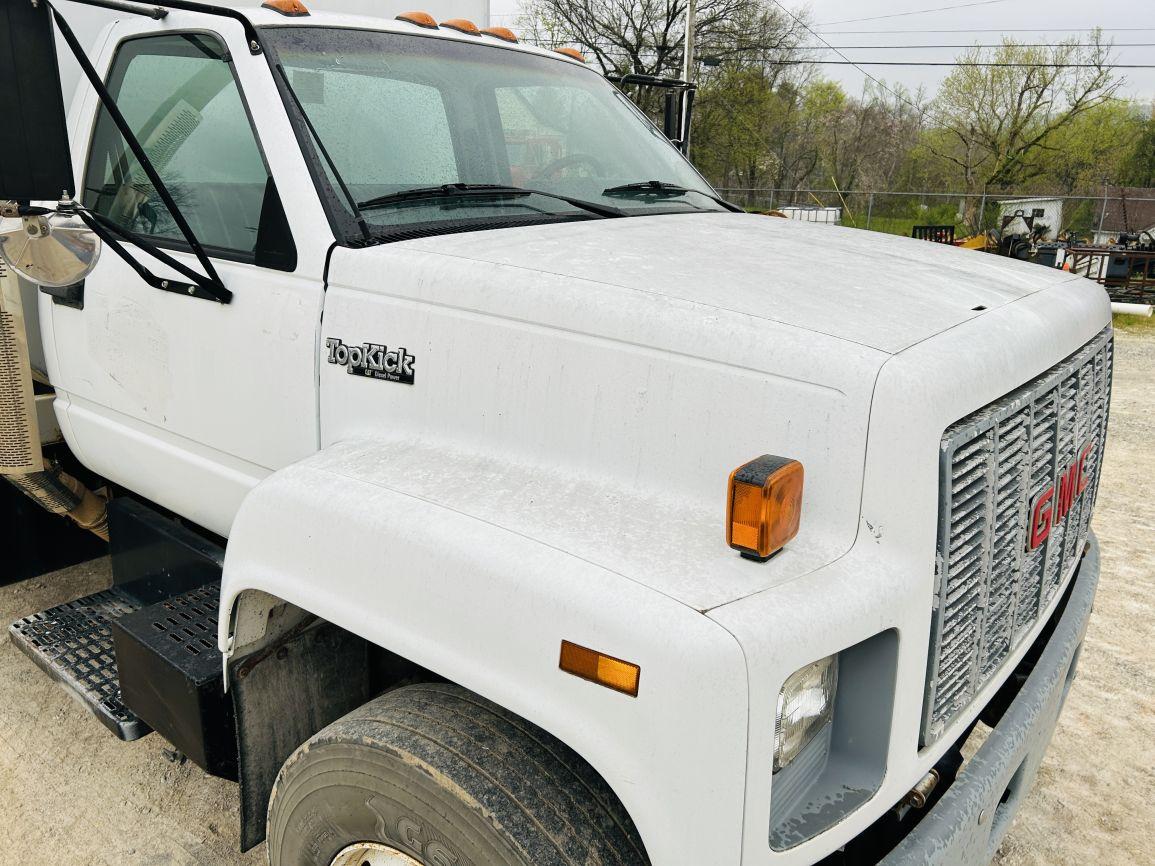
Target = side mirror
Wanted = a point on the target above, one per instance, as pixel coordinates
(53, 249)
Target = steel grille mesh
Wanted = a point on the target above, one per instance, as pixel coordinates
(990, 589)
(15, 435)
(19, 448)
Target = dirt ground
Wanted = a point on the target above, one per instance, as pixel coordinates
(72, 793)
(1093, 801)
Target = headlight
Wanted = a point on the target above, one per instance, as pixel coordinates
(805, 706)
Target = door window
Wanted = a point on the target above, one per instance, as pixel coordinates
(180, 98)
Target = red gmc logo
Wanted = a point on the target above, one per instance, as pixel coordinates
(1050, 507)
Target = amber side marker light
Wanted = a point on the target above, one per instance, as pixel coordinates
(764, 506)
(572, 53)
(462, 25)
(621, 676)
(421, 19)
(288, 8)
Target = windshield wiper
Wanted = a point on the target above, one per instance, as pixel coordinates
(481, 190)
(648, 187)
(662, 188)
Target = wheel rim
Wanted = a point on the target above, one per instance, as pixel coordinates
(372, 854)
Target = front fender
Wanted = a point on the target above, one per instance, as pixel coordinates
(394, 545)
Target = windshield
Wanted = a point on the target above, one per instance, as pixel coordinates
(399, 112)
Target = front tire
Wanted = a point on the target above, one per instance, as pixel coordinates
(444, 777)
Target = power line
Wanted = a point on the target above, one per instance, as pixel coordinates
(995, 30)
(1001, 45)
(845, 61)
(621, 55)
(914, 12)
(921, 111)
(858, 63)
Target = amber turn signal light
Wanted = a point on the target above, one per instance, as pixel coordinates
(764, 506)
(621, 676)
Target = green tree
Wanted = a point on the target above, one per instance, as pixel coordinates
(737, 129)
(1138, 168)
(864, 141)
(1001, 112)
(1093, 148)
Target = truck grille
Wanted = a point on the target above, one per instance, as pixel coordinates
(996, 464)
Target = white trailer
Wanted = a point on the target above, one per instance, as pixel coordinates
(814, 214)
(1046, 213)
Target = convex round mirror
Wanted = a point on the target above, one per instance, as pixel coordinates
(55, 250)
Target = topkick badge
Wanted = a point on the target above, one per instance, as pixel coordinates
(372, 360)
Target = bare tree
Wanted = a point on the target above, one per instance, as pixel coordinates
(867, 142)
(647, 36)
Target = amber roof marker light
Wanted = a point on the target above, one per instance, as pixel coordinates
(572, 53)
(502, 33)
(288, 8)
(462, 25)
(421, 19)
(764, 506)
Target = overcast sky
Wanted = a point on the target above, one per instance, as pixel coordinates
(1025, 20)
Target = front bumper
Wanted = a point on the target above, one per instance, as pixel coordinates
(968, 823)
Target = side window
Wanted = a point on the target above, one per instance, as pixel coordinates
(178, 94)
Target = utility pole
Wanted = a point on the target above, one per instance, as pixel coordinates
(688, 65)
(688, 72)
(1103, 212)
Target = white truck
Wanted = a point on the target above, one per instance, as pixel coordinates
(543, 509)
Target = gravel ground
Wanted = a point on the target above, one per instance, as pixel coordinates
(1092, 801)
(72, 793)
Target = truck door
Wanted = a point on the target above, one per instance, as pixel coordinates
(184, 400)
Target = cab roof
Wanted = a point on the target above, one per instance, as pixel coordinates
(264, 17)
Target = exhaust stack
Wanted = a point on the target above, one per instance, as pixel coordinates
(22, 459)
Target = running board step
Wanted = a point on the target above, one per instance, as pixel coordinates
(171, 675)
(72, 643)
(154, 632)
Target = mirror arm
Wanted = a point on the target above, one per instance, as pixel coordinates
(19, 210)
(113, 235)
(212, 284)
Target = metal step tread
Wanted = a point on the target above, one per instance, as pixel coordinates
(181, 630)
(72, 644)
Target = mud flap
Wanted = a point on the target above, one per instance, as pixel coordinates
(35, 162)
(282, 695)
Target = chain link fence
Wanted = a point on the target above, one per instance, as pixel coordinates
(1091, 219)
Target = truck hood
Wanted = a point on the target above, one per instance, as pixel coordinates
(627, 366)
(881, 291)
